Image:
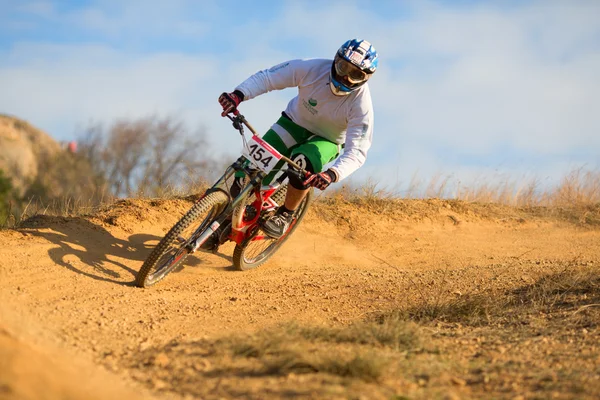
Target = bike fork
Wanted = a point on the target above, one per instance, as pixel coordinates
(204, 236)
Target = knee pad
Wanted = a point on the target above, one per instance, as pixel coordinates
(304, 162)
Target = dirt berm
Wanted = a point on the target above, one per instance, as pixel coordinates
(371, 299)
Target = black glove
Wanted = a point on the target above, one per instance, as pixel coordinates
(321, 180)
(230, 101)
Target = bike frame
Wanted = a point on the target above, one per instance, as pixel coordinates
(241, 229)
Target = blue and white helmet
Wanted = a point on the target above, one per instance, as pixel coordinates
(353, 65)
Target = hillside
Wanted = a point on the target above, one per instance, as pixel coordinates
(22, 146)
(372, 299)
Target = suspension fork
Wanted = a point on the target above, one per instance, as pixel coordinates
(237, 211)
(233, 206)
(238, 165)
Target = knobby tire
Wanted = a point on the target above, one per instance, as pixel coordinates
(240, 260)
(213, 203)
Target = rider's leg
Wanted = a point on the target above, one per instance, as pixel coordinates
(311, 156)
(311, 152)
(294, 197)
(279, 223)
(283, 135)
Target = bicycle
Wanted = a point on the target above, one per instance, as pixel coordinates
(254, 203)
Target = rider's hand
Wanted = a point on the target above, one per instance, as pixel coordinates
(230, 101)
(321, 180)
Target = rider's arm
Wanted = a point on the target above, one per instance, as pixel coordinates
(359, 135)
(281, 76)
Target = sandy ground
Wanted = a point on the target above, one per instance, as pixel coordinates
(72, 325)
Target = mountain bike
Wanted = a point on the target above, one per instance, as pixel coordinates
(217, 210)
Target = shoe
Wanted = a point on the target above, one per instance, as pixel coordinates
(278, 224)
(218, 237)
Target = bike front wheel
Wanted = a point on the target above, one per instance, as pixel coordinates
(175, 246)
(254, 252)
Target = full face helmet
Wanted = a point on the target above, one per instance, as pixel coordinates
(353, 65)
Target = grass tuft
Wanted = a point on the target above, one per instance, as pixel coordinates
(391, 331)
(367, 366)
(575, 288)
(299, 349)
(256, 346)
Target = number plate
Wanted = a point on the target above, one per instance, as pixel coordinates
(261, 154)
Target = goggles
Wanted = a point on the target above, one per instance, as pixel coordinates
(346, 69)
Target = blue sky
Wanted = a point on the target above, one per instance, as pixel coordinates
(468, 89)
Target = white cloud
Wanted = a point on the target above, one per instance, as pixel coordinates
(465, 81)
(43, 9)
(84, 82)
(493, 83)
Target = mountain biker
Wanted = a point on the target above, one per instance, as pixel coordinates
(332, 110)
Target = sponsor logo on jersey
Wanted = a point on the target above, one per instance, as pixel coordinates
(365, 130)
(278, 67)
(310, 106)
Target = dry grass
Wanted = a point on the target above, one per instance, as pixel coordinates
(576, 198)
(578, 188)
(478, 346)
(64, 207)
(365, 366)
(573, 289)
(524, 341)
(307, 349)
(67, 206)
(390, 331)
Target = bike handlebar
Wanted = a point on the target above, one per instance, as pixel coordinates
(243, 120)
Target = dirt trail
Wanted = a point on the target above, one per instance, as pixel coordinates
(66, 294)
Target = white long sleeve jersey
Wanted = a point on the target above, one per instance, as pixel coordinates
(344, 120)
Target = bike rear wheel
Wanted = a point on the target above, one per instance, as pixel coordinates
(174, 247)
(252, 253)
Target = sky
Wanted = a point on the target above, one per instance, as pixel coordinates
(472, 90)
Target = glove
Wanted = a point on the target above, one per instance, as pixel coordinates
(321, 180)
(230, 101)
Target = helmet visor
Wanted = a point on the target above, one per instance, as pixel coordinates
(350, 71)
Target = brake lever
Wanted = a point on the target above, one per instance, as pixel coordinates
(302, 175)
(237, 123)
